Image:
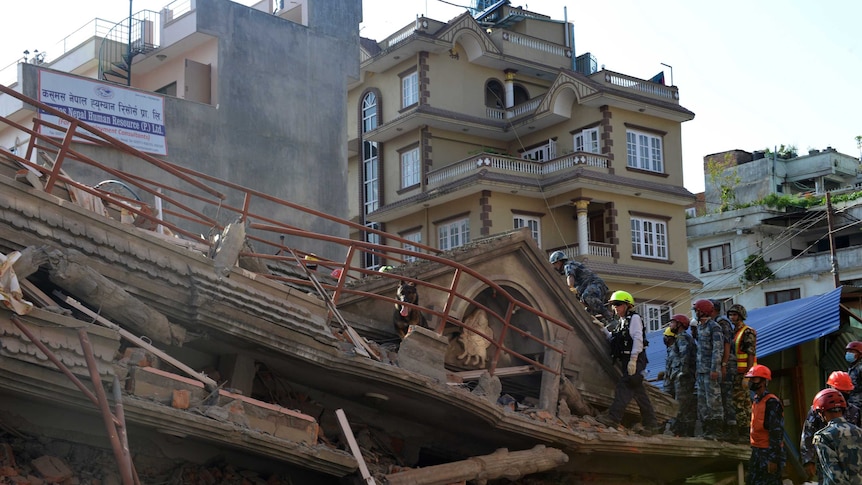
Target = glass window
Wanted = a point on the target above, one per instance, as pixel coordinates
(649, 238)
(775, 297)
(410, 89)
(655, 316)
(644, 151)
(415, 237)
(453, 234)
(410, 168)
(715, 258)
(372, 261)
(533, 224)
(587, 141)
(370, 157)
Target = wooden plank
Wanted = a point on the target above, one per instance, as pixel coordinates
(470, 375)
(354, 447)
(32, 292)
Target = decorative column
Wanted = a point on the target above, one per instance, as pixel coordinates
(581, 206)
(510, 87)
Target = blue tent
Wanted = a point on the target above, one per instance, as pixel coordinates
(778, 327)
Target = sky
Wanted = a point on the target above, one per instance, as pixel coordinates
(757, 74)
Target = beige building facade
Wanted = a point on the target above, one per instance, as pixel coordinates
(461, 130)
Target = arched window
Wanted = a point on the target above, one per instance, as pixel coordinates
(521, 94)
(495, 95)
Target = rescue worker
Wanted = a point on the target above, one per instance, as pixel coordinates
(839, 381)
(728, 428)
(766, 430)
(853, 356)
(839, 443)
(627, 344)
(680, 374)
(710, 347)
(743, 359)
(590, 288)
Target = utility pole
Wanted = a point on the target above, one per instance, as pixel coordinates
(832, 258)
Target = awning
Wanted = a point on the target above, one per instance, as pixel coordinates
(778, 327)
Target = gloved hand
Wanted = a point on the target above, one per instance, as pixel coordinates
(633, 365)
(573, 290)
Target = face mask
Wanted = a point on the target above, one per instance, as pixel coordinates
(753, 386)
(850, 357)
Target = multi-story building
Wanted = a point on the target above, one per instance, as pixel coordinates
(768, 240)
(488, 122)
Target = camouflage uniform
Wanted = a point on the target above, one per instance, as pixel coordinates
(709, 351)
(855, 372)
(729, 369)
(758, 464)
(839, 450)
(679, 382)
(814, 423)
(592, 290)
(741, 394)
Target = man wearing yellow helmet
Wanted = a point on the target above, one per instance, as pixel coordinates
(627, 349)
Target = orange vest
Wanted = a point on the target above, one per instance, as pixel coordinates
(759, 434)
(742, 357)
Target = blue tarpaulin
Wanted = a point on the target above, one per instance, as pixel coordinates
(778, 327)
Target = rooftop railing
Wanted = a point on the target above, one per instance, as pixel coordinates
(513, 165)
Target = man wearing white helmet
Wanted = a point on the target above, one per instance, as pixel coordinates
(590, 288)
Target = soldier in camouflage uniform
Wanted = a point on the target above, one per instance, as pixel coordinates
(839, 443)
(853, 356)
(766, 431)
(590, 288)
(709, 350)
(742, 359)
(728, 430)
(840, 381)
(680, 374)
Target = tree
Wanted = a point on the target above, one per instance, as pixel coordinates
(724, 177)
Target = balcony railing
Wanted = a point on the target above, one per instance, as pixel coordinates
(640, 85)
(537, 44)
(513, 165)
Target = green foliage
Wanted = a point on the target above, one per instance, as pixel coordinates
(784, 201)
(756, 269)
(724, 177)
(783, 152)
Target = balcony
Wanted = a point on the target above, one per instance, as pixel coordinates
(506, 165)
(573, 251)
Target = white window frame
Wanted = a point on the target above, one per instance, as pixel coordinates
(416, 237)
(649, 238)
(542, 153)
(410, 168)
(644, 151)
(453, 234)
(655, 316)
(410, 89)
(372, 261)
(370, 157)
(534, 223)
(587, 141)
(715, 258)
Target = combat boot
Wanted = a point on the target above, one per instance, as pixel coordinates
(731, 434)
(711, 429)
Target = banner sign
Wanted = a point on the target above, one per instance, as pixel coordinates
(133, 117)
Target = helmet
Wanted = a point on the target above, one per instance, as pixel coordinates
(703, 306)
(828, 399)
(622, 296)
(760, 371)
(668, 332)
(558, 256)
(856, 345)
(738, 309)
(840, 380)
(385, 268)
(682, 319)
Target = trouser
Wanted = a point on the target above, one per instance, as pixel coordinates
(727, 396)
(629, 387)
(709, 399)
(687, 416)
(742, 402)
(758, 471)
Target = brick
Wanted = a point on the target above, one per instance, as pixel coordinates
(52, 468)
(181, 398)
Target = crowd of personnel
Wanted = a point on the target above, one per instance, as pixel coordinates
(712, 372)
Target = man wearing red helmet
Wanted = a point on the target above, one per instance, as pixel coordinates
(680, 373)
(766, 430)
(710, 348)
(838, 443)
(839, 381)
(853, 356)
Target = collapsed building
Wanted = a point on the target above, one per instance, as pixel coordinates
(138, 323)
